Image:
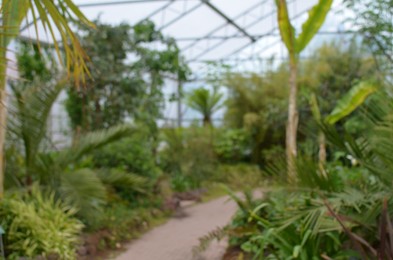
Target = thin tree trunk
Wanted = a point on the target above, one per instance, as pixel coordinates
(3, 120)
(292, 124)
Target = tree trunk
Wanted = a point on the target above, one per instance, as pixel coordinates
(292, 124)
(3, 121)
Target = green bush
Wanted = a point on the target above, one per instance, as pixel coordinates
(232, 145)
(188, 156)
(123, 223)
(39, 225)
(239, 176)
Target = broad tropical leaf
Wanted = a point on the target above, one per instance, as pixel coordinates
(286, 29)
(352, 100)
(316, 17)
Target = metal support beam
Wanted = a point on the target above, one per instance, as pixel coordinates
(109, 3)
(162, 8)
(257, 36)
(183, 14)
(229, 20)
(223, 25)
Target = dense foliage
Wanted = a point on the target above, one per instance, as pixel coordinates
(127, 74)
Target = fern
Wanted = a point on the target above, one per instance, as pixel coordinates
(204, 242)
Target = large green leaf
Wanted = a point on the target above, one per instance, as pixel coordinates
(352, 100)
(316, 17)
(286, 29)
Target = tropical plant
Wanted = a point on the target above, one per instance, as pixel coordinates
(54, 15)
(256, 105)
(295, 45)
(205, 102)
(59, 171)
(119, 90)
(188, 156)
(37, 224)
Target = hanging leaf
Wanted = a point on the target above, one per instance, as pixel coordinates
(352, 100)
(316, 17)
(286, 29)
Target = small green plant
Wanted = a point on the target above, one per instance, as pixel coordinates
(39, 225)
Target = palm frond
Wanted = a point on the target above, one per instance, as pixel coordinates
(118, 178)
(54, 16)
(29, 116)
(91, 141)
(83, 190)
(205, 102)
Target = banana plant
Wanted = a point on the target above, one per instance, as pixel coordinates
(54, 16)
(295, 45)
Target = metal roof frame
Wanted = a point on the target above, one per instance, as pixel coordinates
(228, 21)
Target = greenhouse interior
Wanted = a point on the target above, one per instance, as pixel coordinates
(196, 129)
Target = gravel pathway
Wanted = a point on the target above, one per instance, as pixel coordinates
(175, 239)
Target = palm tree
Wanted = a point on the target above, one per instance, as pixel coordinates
(205, 102)
(295, 45)
(82, 188)
(54, 16)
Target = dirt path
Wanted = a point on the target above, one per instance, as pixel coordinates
(175, 239)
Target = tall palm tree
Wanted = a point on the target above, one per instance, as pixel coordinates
(54, 15)
(205, 102)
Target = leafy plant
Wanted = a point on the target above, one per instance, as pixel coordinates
(53, 15)
(121, 90)
(188, 156)
(82, 188)
(232, 145)
(205, 102)
(38, 224)
(295, 45)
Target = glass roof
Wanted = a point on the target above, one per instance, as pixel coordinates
(216, 30)
(242, 34)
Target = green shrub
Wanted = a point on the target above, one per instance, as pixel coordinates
(133, 154)
(188, 156)
(123, 223)
(232, 145)
(39, 225)
(239, 176)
